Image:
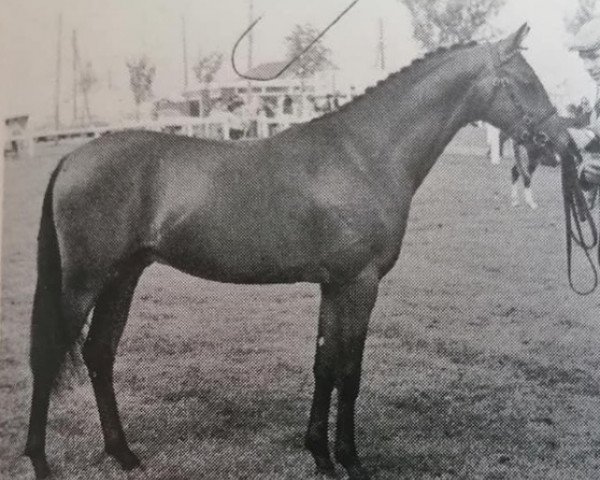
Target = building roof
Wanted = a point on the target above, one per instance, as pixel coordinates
(269, 69)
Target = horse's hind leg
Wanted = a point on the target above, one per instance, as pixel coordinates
(45, 366)
(52, 310)
(514, 192)
(99, 350)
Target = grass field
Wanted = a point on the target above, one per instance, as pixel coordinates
(480, 362)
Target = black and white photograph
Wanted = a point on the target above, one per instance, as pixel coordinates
(300, 239)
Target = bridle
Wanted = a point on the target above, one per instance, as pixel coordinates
(526, 129)
(577, 213)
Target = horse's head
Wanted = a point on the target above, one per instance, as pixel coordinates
(512, 97)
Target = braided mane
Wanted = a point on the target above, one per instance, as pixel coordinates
(399, 74)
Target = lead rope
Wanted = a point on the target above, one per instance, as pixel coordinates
(577, 211)
(575, 205)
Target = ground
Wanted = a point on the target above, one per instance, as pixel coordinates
(481, 363)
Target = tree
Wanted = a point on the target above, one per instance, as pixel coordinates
(586, 10)
(318, 58)
(87, 79)
(439, 23)
(141, 76)
(205, 69)
(207, 66)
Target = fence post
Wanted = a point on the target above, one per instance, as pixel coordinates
(225, 127)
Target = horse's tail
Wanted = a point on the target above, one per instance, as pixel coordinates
(51, 338)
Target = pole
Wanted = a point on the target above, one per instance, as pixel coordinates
(57, 84)
(74, 47)
(250, 55)
(250, 35)
(381, 46)
(185, 60)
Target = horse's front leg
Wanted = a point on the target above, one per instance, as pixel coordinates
(354, 306)
(316, 439)
(343, 322)
(527, 193)
(514, 192)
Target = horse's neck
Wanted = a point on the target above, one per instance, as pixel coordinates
(409, 125)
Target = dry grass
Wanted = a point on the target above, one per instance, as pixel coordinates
(480, 364)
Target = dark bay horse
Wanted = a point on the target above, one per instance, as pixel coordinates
(324, 202)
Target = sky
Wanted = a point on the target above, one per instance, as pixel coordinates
(111, 31)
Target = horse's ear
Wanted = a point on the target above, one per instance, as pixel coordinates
(515, 41)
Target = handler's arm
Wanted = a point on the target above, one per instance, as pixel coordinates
(595, 127)
(584, 137)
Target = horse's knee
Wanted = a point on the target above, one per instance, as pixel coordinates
(323, 371)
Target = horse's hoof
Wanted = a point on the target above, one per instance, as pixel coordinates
(325, 467)
(126, 458)
(325, 473)
(39, 464)
(357, 472)
(41, 468)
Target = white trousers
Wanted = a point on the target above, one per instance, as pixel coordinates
(493, 141)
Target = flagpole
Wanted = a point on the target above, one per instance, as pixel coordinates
(57, 80)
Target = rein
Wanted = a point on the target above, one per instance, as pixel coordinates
(578, 213)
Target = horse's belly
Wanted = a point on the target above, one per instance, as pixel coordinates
(246, 265)
(264, 252)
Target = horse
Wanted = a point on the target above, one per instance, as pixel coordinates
(535, 155)
(325, 202)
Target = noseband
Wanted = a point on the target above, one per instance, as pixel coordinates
(527, 129)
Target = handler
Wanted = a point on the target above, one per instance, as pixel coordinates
(587, 44)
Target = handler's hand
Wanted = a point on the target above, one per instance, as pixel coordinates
(589, 171)
(582, 137)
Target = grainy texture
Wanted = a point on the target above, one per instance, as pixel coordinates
(480, 362)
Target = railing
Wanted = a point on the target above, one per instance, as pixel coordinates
(211, 128)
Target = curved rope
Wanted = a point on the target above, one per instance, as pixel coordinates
(577, 213)
(289, 64)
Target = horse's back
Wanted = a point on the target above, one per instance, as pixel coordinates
(275, 211)
(105, 196)
(246, 212)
